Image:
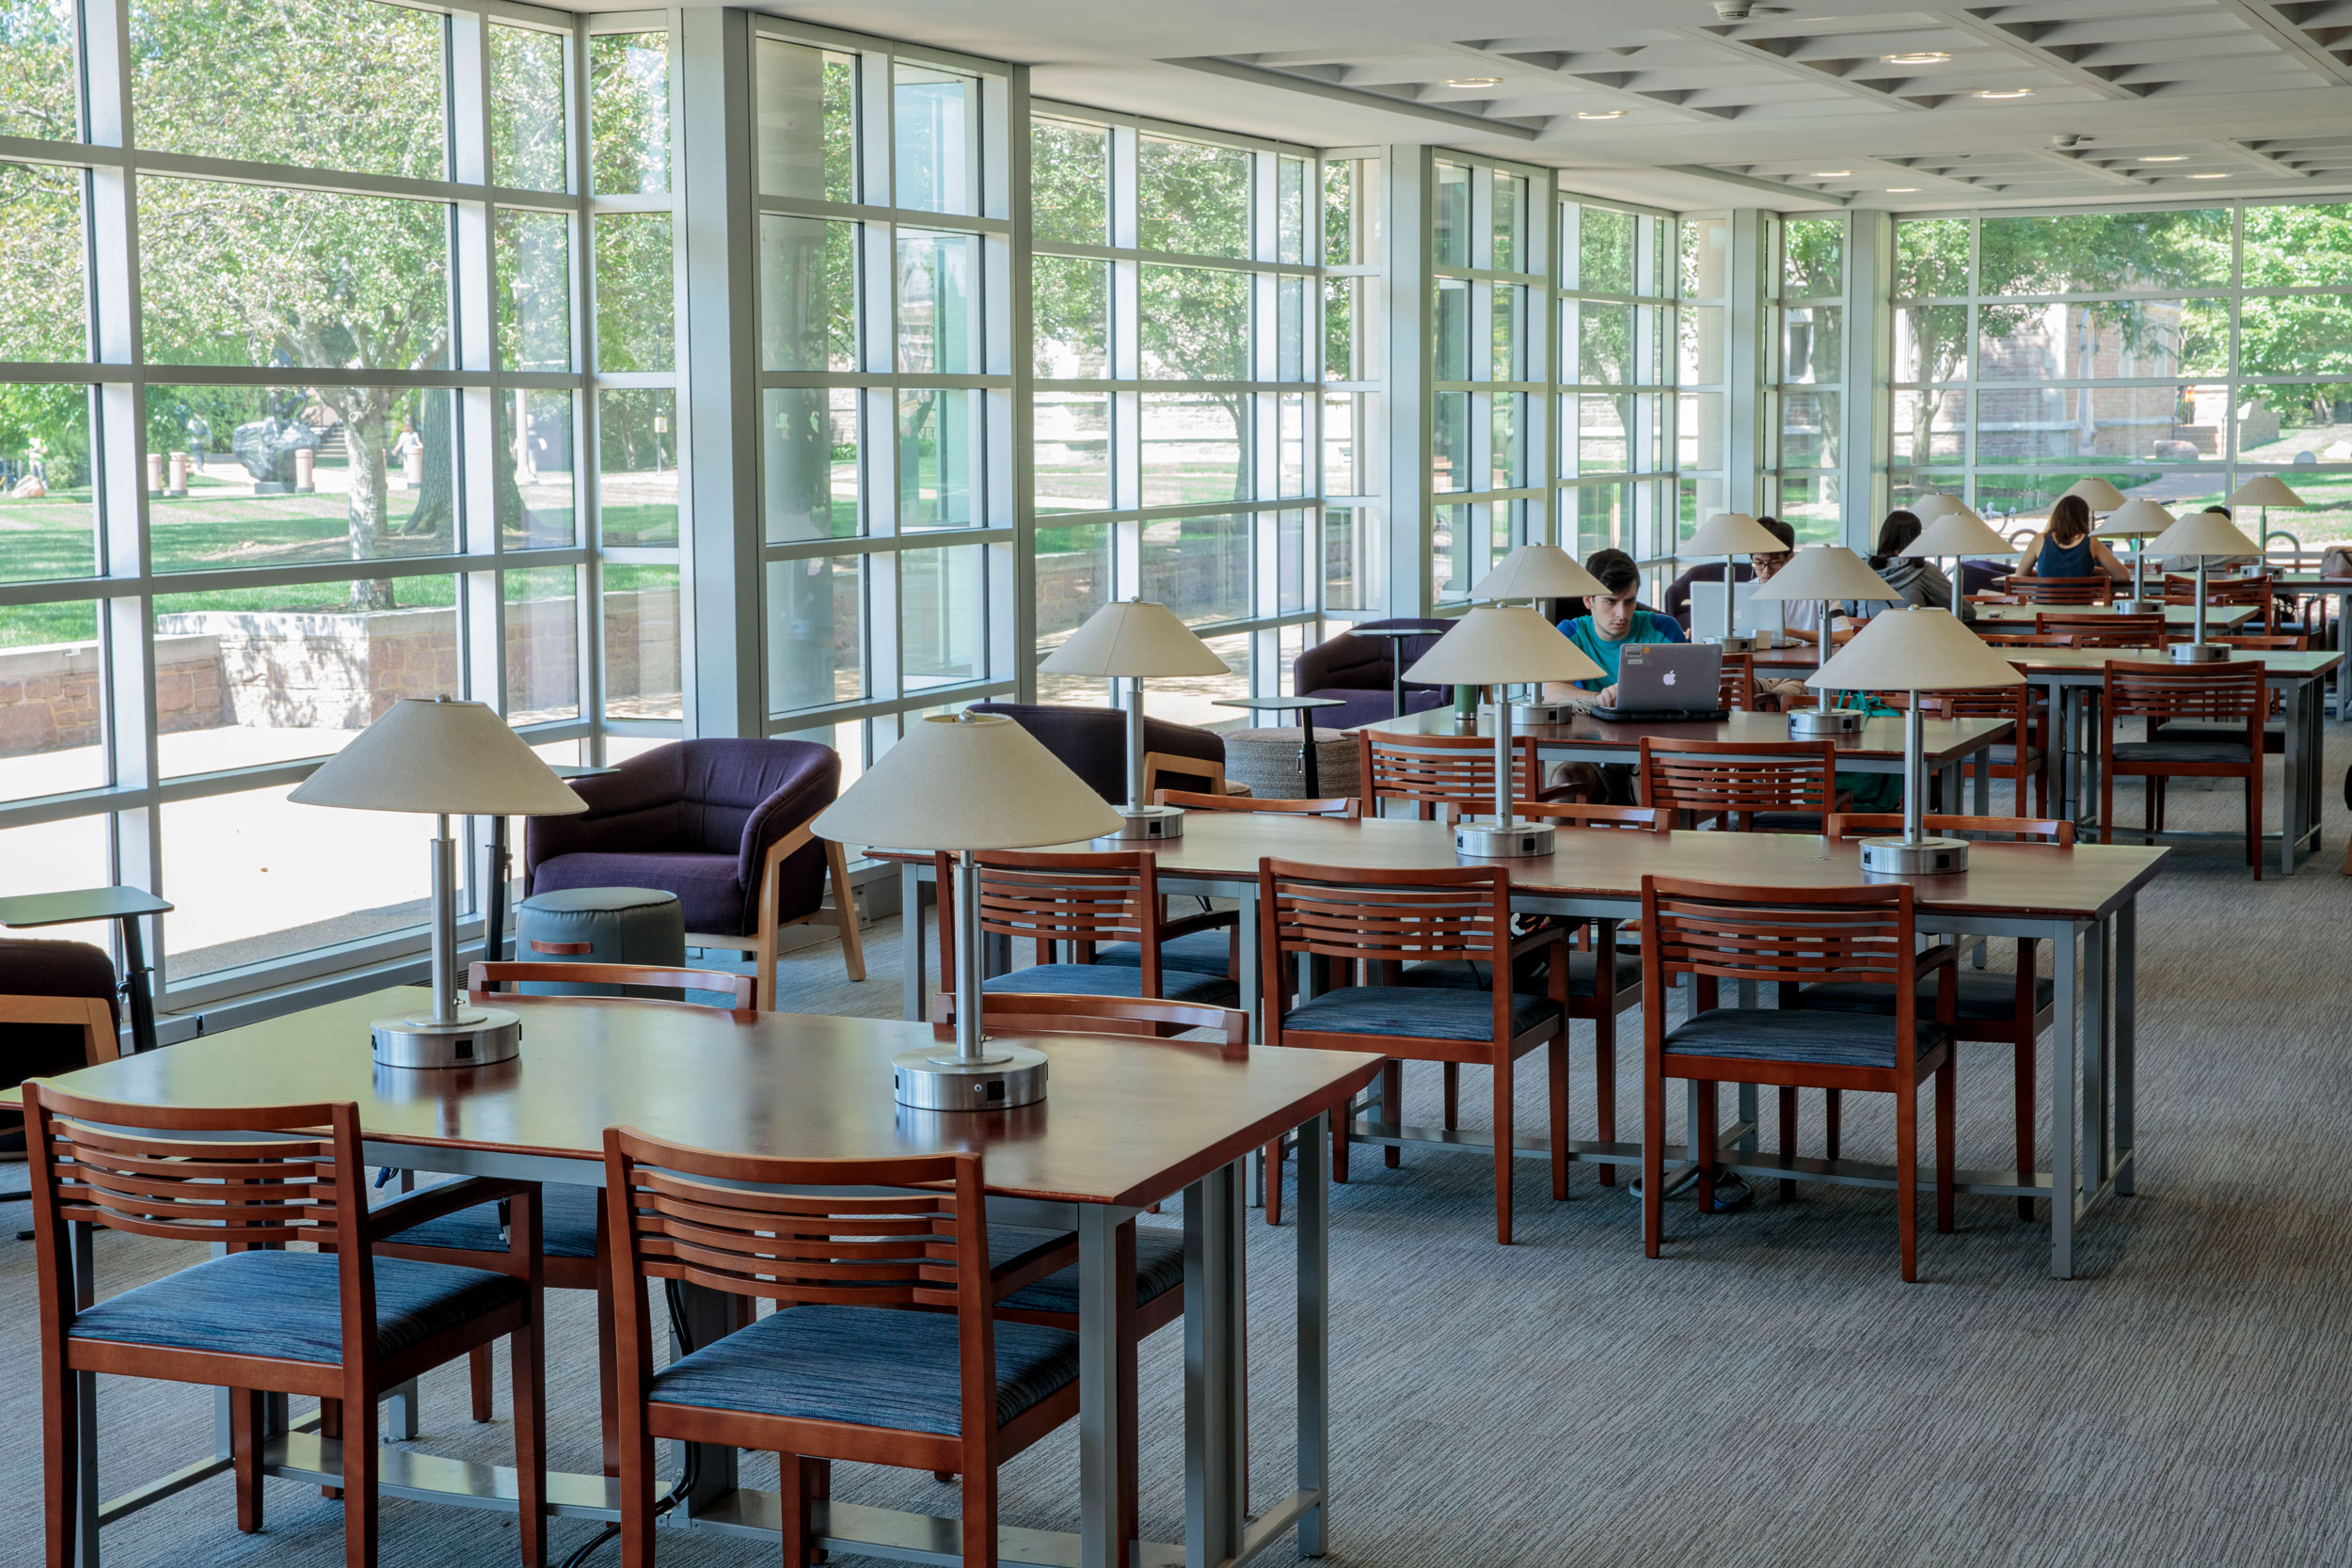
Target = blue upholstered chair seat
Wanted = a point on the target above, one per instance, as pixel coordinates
(866, 1366)
(1797, 1034)
(1463, 974)
(1197, 952)
(1418, 1012)
(568, 1225)
(1176, 985)
(1986, 994)
(289, 1305)
(1159, 1266)
(2183, 751)
(2226, 734)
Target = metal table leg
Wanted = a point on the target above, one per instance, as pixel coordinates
(2064, 1131)
(1306, 754)
(494, 907)
(1314, 1332)
(914, 971)
(709, 1318)
(2297, 804)
(2126, 1024)
(1213, 1484)
(134, 981)
(1100, 1456)
(2094, 1069)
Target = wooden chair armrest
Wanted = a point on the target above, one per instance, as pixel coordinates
(387, 1220)
(1944, 955)
(1211, 920)
(1521, 946)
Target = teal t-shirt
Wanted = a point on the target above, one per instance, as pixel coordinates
(1649, 627)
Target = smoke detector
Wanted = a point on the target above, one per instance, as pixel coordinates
(1742, 10)
(2066, 141)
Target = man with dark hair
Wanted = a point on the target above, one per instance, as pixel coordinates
(1614, 618)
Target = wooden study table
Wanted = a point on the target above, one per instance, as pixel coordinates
(2083, 901)
(2219, 617)
(2312, 585)
(1124, 1124)
(2074, 678)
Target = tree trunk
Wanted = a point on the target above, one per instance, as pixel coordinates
(437, 498)
(364, 411)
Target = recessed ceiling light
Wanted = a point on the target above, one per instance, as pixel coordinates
(2208, 177)
(1600, 113)
(2164, 158)
(1901, 190)
(1918, 56)
(2004, 93)
(1473, 81)
(1831, 173)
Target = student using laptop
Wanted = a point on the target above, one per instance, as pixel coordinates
(1614, 619)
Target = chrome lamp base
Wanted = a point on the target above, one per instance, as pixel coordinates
(2197, 653)
(1544, 713)
(2138, 607)
(475, 1037)
(1928, 857)
(1512, 840)
(1146, 822)
(1735, 643)
(1820, 723)
(1001, 1077)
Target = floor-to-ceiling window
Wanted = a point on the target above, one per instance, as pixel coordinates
(298, 358)
(2175, 353)
(1803, 358)
(1703, 370)
(1355, 543)
(1618, 378)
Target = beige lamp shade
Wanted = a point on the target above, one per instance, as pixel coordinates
(437, 755)
(1538, 572)
(1503, 645)
(2203, 533)
(1827, 572)
(1915, 649)
(1132, 637)
(1960, 532)
(972, 781)
(2265, 490)
(2096, 494)
(1928, 508)
(2136, 518)
(1732, 533)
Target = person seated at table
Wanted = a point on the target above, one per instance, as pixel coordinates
(1612, 620)
(1916, 577)
(1800, 619)
(2066, 548)
(2185, 565)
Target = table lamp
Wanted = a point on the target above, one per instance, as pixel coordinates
(1493, 646)
(1934, 504)
(1914, 650)
(1730, 534)
(965, 782)
(2094, 493)
(451, 759)
(1957, 532)
(2201, 534)
(1832, 574)
(1130, 639)
(2266, 491)
(2142, 520)
(1534, 572)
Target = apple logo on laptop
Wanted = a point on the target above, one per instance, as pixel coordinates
(1670, 677)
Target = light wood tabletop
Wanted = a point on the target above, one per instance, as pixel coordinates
(1946, 740)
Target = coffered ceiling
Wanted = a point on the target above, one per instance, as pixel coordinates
(1698, 103)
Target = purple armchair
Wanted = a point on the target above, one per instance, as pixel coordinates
(1358, 672)
(1092, 743)
(722, 824)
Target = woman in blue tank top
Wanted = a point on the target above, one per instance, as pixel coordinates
(2066, 549)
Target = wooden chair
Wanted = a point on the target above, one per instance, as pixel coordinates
(1989, 1007)
(1752, 786)
(575, 1252)
(2103, 631)
(1108, 907)
(1994, 636)
(2026, 756)
(1443, 776)
(59, 1015)
(2261, 592)
(341, 1323)
(809, 1383)
(1792, 936)
(1738, 683)
(2231, 698)
(2091, 590)
(1375, 918)
(1347, 807)
(1213, 772)
(2274, 728)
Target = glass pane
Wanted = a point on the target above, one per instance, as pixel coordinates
(1344, 351)
(534, 483)
(1605, 344)
(1351, 212)
(1290, 209)
(816, 639)
(628, 113)
(330, 84)
(1195, 448)
(47, 514)
(1604, 516)
(1704, 343)
(1705, 258)
(1930, 426)
(1071, 470)
(2298, 246)
(1070, 182)
(276, 673)
(2119, 339)
(1192, 699)
(1700, 432)
(1600, 435)
(1453, 358)
(1931, 258)
(1811, 344)
(2104, 252)
(535, 275)
(542, 644)
(939, 445)
(2154, 424)
(1290, 561)
(641, 643)
(1289, 329)
(1931, 343)
(2300, 335)
(1509, 358)
(942, 616)
(812, 463)
(1510, 222)
(253, 275)
(807, 294)
(2299, 426)
(1605, 251)
(939, 328)
(527, 109)
(254, 876)
(932, 140)
(1813, 257)
(1451, 464)
(1198, 567)
(40, 73)
(52, 696)
(1070, 317)
(1354, 573)
(1452, 229)
(52, 855)
(635, 291)
(1449, 534)
(1290, 418)
(40, 256)
(1191, 197)
(1809, 505)
(637, 465)
(283, 475)
(1808, 430)
(1073, 580)
(1194, 324)
(1349, 467)
(1504, 451)
(807, 121)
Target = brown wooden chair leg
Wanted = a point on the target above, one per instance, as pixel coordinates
(1653, 1158)
(1339, 1144)
(1605, 1080)
(1907, 1178)
(1502, 1144)
(1833, 1109)
(2254, 817)
(60, 1451)
(526, 1361)
(979, 1518)
(1946, 1097)
(478, 1374)
(1392, 1109)
(1703, 1147)
(359, 1502)
(816, 1485)
(946, 1478)
(1788, 1139)
(608, 1385)
(1556, 1067)
(1453, 1079)
(331, 1426)
(1274, 1182)
(244, 1446)
(792, 1509)
(637, 1482)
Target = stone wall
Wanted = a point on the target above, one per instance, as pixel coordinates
(50, 695)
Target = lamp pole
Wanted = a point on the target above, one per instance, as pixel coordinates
(967, 895)
(445, 923)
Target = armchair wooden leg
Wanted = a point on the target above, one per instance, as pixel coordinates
(1704, 1142)
(1946, 1096)
(2024, 1087)
(844, 911)
(1787, 1138)
(1833, 1117)
(360, 1503)
(1502, 1144)
(1453, 1079)
(1907, 1178)
(331, 1425)
(1392, 1109)
(1339, 1144)
(979, 1516)
(1274, 1182)
(245, 1448)
(60, 1452)
(478, 1375)
(527, 1367)
(1605, 1081)
(792, 1509)
(1556, 1068)
(1653, 1158)
(764, 966)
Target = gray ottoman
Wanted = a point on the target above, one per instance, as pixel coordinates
(601, 925)
(1266, 760)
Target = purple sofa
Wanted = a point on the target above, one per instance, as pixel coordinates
(1092, 743)
(1358, 672)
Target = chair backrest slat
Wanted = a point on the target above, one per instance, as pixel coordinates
(2226, 692)
(486, 979)
(1346, 806)
(1778, 934)
(2055, 832)
(2095, 590)
(1738, 776)
(1739, 681)
(2103, 631)
(1438, 772)
(1639, 819)
(1380, 916)
(1052, 1013)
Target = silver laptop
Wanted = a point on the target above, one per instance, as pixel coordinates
(1659, 679)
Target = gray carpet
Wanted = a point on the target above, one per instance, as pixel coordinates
(1767, 1393)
